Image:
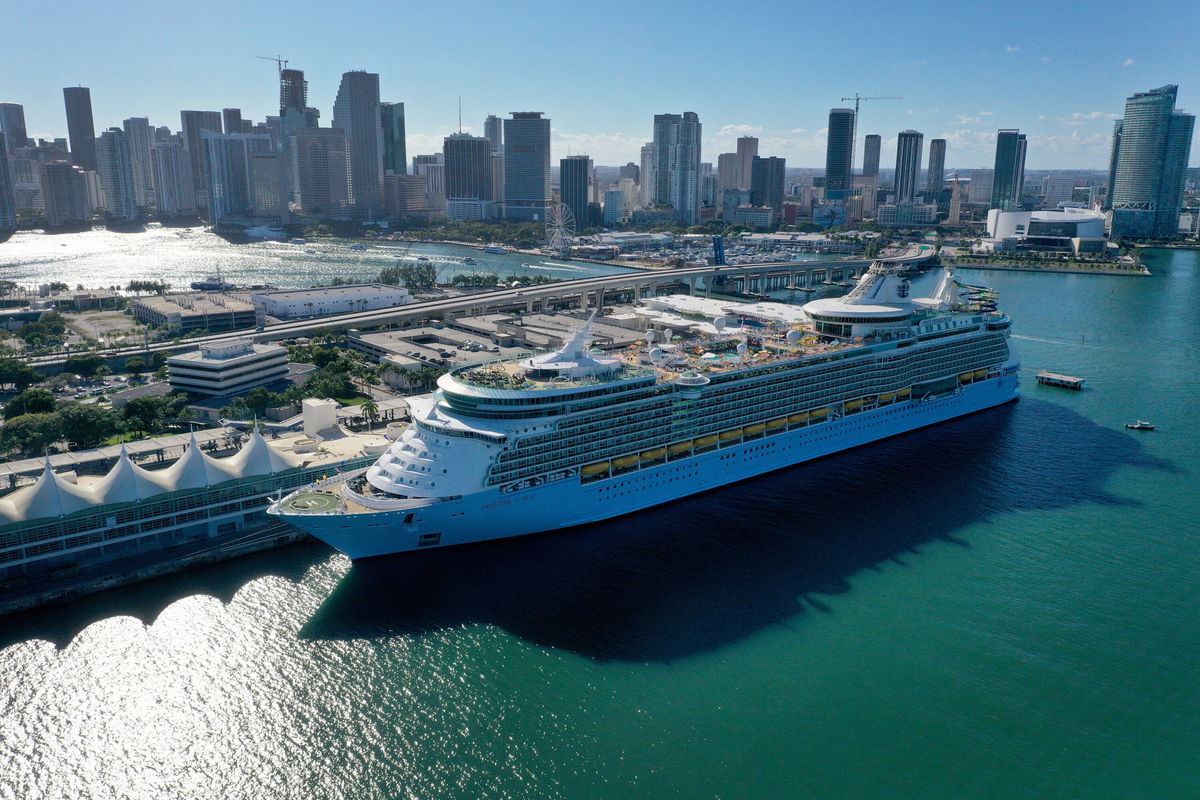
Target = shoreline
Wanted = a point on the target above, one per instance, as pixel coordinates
(1141, 272)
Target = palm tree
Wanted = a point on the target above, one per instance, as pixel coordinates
(371, 411)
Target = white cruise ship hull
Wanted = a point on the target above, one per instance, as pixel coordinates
(568, 502)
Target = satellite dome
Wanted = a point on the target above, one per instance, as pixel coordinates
(650, 334)
(742, 348)
(793, 337)
(719, 323)
(656, 354)
(668, 334)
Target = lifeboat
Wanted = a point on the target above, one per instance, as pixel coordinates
(755, 428)
(853, 405)
(654, 454)
(818, 413)
(728, 436)
(706, 441)
(887, 397)
(625, 461)
(777, 423)
(595, 469)
(904, 392)
(980, 374)
(794, 418)
(965, 377)
(680, 447)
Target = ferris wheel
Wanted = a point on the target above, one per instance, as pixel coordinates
(560, 227)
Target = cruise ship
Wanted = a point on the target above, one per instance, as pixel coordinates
(576, 435)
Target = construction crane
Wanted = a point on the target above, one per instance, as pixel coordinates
(854, 135)
(281, 62)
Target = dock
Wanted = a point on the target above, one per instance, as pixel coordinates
(1063, 381)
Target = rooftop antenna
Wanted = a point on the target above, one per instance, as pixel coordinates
(460, 113)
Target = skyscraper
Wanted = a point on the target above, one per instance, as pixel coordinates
(675, 175)
(936, 177)
(174, 195)
(747, 151)
(766, 183)
(12, 124)
(1009, 169)
(575, 183)
(8, 202)
(231, 118)
(871, 145)
(980, 190)
(78, 100)
(908, 164)
(231, 190)
(391, 117)
(356, 113)
(266, 188)
(65, 194)
(526, 165)
(468, 161)
(114, 157)
(321, 171)
(140, 140)
(293, 90)
(646, 171)
(728, 172)
(630, 170)
(193, 122)
(839, 152)
(433, 168)
(493, 130)
(1151, 163)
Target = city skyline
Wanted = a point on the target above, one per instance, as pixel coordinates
(1068, 119)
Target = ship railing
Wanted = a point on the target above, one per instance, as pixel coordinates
(338, 478)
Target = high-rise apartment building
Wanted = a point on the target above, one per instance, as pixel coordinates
(8, 200)
(174, 195)
(231, 119)
(766, 184)
(575, 184)
(433, 168)
(747, 151)
(356, 113)
(404, 195)
(493, 131)
(80, 129)
(395, 158)
(65, 194)
(728, 172)
(1151, 148)
(908, 164)
(980, 190)
(526, 165)
(231, 188)
(675, 177)
(631, 171)
(468, 162)
(839, 152)
(193, 123)
(872, 143)
(935, 178)
(646, 169)
(1009, 170)
(1057, 189)
(320, 170)
(12, 126)
(141, 138)
(266, 184)
(114, 156)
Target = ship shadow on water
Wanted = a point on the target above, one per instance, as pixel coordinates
(701, 573)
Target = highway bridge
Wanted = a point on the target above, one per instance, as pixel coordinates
(580, 292)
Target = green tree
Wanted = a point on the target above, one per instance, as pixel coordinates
(370, 410)
(143, 414)
(84, 364)
(86, 424)
(136, 365)
(30, 401)
(260, 399)
(30, 434)
(18, 374)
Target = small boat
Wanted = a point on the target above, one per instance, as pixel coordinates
(358, 247)
(495, 248)
(469, 260)
(1140, 425)
(422, 258)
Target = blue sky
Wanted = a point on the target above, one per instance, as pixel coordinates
(1059, 71)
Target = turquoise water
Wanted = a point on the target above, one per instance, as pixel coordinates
(103, 258)
(1002, 606)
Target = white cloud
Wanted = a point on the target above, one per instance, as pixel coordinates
(925, 111)
(965, 139)
(963, 119)
(798, 130)
(1127, 62)
(742, 129)
(987, 113)
(1011, 48)
(608, 149)
(1057, 144)
(1046, 59)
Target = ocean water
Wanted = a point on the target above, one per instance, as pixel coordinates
(1003, 606)
(103, 258)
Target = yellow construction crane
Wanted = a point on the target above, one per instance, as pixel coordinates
(281, 62)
